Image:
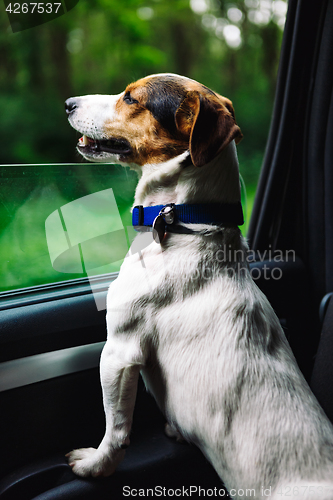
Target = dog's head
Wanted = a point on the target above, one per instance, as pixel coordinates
(155, 119)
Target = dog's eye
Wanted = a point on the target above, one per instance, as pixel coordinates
(129, 100)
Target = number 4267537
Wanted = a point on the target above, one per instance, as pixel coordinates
(31, 7)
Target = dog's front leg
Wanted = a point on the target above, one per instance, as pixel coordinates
(119, 378)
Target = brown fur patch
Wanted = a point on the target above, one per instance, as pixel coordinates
(159, 125)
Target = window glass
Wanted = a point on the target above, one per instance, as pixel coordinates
(61, 222)
(98, 48)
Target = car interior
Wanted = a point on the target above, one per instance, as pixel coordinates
(51, 336)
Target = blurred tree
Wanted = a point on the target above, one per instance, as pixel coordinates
(59, 55)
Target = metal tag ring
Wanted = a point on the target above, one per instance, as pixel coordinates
(168, 213)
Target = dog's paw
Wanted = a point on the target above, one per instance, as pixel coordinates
(171, 432)
(91, 462)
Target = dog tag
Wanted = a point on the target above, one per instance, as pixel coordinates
(158, 229)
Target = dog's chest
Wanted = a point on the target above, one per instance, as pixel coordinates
(140, 274)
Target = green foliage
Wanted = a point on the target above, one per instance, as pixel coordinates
(101, 45)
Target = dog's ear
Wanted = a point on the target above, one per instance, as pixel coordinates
(209, 123)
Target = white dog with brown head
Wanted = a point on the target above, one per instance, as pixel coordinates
(203, 336)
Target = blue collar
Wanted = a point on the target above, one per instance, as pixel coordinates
(165, 216)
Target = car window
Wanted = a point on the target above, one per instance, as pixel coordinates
(60, 222)
(53, 207)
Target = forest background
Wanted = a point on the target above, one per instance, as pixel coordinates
(101, 45)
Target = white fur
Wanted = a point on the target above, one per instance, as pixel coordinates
(211, 351)
(92, 112)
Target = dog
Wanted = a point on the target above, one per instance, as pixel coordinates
(204, 337)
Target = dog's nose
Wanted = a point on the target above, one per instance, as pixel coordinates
(70, 105)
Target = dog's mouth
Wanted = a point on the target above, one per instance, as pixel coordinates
(113, 146)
